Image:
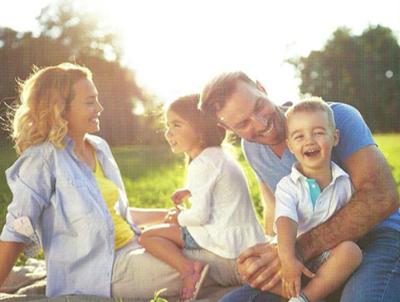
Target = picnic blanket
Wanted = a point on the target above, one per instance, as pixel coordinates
(28, 283)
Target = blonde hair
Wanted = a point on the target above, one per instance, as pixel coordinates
(313, 104)
(43, 98)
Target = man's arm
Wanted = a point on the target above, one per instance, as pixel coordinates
(9, 252)
(374, 199)
(268, 200)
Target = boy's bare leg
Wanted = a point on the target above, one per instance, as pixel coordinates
(342, 262)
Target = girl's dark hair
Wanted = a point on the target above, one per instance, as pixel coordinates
(187, 107)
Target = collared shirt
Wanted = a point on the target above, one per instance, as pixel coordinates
(59, 195)
(292, 199)
(222, 219)
(354, 135)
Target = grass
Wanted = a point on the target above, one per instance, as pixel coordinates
(152, 174)
(390, 146)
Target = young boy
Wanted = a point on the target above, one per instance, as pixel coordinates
(310, 195)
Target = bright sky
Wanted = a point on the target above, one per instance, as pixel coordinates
(175, 46)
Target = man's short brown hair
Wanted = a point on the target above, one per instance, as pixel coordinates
(219, 89)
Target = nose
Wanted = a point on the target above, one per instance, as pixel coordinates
(100, 108)
(167, 133)
(309, 139)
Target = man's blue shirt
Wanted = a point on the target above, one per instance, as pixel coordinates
(354, 135)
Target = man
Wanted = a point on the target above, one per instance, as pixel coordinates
(371, 218)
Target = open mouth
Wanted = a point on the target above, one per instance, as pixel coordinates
(268, 129)
(311, 153)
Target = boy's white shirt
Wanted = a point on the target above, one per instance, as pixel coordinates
(221, 218)
(292, 197)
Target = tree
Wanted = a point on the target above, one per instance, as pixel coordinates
(361, 70)
(84, 34)
(69, 33)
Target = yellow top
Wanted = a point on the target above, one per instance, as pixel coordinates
(109, 191)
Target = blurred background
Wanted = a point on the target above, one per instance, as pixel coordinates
(144, 54)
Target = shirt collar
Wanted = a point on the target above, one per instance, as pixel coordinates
(336, 172)
(68, 142)
(92, 139)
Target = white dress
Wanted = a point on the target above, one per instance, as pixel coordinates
(221, 218)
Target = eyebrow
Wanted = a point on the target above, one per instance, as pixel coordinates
(295, 132)
(175, 121)
(299, 130)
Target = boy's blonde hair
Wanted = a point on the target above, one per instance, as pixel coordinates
(43, 98)
(313, 104)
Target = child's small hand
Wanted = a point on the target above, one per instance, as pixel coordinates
(291, 277)
(172, 216)
(180, 195)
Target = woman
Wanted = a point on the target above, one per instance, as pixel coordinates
(69, 198)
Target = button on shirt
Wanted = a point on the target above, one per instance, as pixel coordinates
(60, 197)
(293, 199)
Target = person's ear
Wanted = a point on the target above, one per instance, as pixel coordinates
(336, 136)
(261, 87)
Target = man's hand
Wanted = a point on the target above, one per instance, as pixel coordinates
(260, 266)
(374, 199)
(292, 269)
(180, 195)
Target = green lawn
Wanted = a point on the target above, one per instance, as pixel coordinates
(152, 174)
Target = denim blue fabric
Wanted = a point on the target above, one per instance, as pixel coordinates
(376, 280)
(188, 241)
(60, 196)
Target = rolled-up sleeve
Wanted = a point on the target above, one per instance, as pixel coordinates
(30, 182)
(201, 180)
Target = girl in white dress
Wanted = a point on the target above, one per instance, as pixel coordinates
(221, 218)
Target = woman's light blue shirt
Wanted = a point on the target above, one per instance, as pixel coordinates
(60, 196)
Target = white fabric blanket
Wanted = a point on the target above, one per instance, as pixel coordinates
(28, 283)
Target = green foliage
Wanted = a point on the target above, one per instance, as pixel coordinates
(71, 33)
(8, 156)
(390, 146)
(152, 174)
(157, 297)
(362, 70)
